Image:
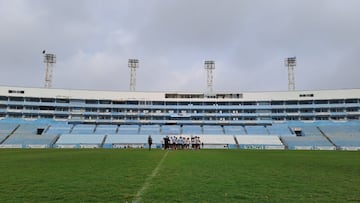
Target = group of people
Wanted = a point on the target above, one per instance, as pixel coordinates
(176, 143)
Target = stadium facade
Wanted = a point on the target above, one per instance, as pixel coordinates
(42, 117)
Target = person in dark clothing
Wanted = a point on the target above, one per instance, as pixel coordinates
(166, 141)
(149, 142)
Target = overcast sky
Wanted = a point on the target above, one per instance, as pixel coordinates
(247, 39)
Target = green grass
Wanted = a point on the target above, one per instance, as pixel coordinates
(104, 175)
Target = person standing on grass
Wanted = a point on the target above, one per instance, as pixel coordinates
(149, 142)
(166, 140)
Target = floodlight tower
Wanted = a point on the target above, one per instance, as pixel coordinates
(49, 60)
(209, 67)
(133, 64)
(290, 63)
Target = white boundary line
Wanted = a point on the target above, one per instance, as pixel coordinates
(148, 180)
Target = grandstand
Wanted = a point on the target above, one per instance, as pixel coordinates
(259, 142)
(59, 118)
(80, 141)
(26, 136)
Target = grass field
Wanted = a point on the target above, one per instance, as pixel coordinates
(134, 175)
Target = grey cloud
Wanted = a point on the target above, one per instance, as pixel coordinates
(248, 40)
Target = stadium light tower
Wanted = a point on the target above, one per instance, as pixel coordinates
(209, 67)
(133, 65)
(49, 60)
(290, 63)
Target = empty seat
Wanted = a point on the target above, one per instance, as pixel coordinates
(83, 129)
(170, 129)
(106, 129)
(256, 130)
(192, 129)
(128, 129)
(259, 140)
(118, 140)
(149, 130)
(57, 129)
(343, 136)
(217, 141)
(279, 129)
(80, 140)
(213, 129)
(30, 134)
(307, 142)
(234, 130)
(6, 129)
(27, 140)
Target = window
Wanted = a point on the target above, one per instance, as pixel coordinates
(337, 110)
(277, 102)
(158, 103)
(277, 111)
(249, 103)
(292, 111)
(353, 117)
(47, 108)
(306, 111)
(18, 99)
(61, 117)
(321, 110)
(351, 101)
(62, 101)
(321, 118)
(105, 102)
(354, 109)
(32, 99)
(16, 107)
(321, 101)
(306, 102)
(336, 101)
(91, 102)
(50, 100)
(291, 102)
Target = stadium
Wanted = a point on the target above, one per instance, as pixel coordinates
(66, 145)
(62, 118)
(250, 136)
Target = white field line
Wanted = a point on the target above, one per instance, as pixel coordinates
(148, 180)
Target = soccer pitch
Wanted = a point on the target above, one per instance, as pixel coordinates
(139, 175)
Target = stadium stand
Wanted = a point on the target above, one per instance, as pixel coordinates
(307, 143)
(346, 137)
(80, 141)
(29, 136)
(149, 130)
(6, 129)
(170, 129)
(213, 130)
(234, 130)
(218, 141)
(280, 129)
(309, 130)
(256, 130)
(128, 129)
(40, 117)
(307, 136)
(131, 141)
(192, 130)
(83, 129)
(106, 129)
(58, 128)
(259, 142)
